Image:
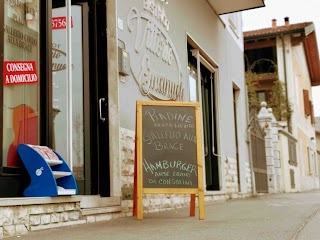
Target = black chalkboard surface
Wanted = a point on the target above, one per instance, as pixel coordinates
(169, 147)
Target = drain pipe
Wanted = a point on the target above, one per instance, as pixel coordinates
(285, 79)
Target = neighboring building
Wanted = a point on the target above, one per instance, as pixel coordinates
(317, 120)
(288, 53)
(169, 50)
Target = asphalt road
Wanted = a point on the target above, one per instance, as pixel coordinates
(291, 216)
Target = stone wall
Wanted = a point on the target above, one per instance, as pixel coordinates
(19, 216)
(18, 220)
(161, 202)
(231, 175)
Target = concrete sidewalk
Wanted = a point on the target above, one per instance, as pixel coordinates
(272, 216)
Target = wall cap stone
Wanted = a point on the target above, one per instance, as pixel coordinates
(23, 201)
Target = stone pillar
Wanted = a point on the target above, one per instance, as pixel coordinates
(276, 151)
(265, 119)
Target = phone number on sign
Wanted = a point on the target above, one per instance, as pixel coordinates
(60, 23)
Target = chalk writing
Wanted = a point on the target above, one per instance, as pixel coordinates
(169, 142)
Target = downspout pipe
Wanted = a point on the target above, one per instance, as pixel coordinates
(285, 78)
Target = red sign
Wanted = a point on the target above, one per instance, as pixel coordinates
(60, 23)
(19, 72)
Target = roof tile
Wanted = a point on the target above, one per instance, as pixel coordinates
(276, 30)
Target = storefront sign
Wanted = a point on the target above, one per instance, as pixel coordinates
(168, 152)
(159, 75)
(19, 72)
(20, 39)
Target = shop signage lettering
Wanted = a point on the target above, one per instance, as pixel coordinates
(60, 23)
(169, 143)
(23, 12)
(157, 11)
(59, 58)
(19, 72)
(152, 44)
(19, 39)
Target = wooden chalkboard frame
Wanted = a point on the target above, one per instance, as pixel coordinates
(139, 189)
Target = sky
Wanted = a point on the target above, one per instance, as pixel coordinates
(298, 11)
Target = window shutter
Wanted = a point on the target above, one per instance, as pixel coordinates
(292, 152)
(307, 109)
(312, 113)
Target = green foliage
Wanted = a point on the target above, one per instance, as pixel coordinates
(253, 100)
(281, 108)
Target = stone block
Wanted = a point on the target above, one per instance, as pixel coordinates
(269, 152)
(123, 214)
(74, 215)
(64, 217)
(21, 229)
(9, 231)
(6, 216)
(270, 170)
(1, 232)
(127, 169)
(35, 220)
(45, 219)
(268, 143)
(77, 206)
(276, 154)
(129, 214)
(277, 171)
(55, 208)
(91, 219)
(50, 208)
(60, 207)
(69, 207)
(37, 209)
(21, 215)
(55, 217)
(127, 181)
(275, 138)
(276, 146)
(115, 215)
(277, 163)
(270, 161)
(104, 217)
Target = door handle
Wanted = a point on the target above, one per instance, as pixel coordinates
(100, 109)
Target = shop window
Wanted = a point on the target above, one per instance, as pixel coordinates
(20, 77)
(60, 51)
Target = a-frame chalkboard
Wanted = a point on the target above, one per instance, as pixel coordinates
(168, 153)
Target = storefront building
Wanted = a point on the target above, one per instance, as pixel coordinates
(73, 85)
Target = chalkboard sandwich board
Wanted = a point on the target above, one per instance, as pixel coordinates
(168, 152)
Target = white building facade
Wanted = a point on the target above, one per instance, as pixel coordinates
(91, 74)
